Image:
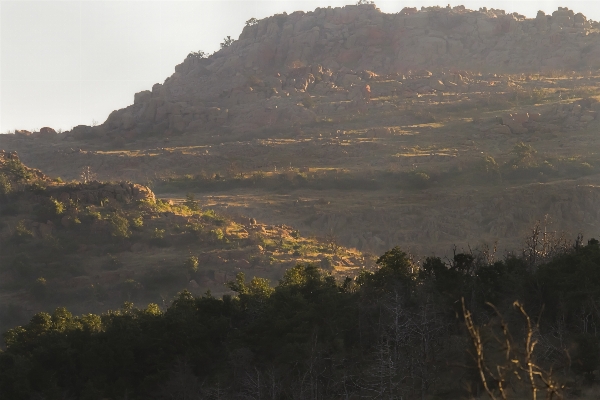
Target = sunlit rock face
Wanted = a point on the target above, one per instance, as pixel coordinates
(274, 74)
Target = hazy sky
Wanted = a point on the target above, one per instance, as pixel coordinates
(66, 63)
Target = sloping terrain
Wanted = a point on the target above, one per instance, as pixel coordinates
(92, 245)
(457, 126)
(323, 138)
(277, 74)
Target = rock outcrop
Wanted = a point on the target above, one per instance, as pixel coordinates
(15, 173)
(18, 177)
(274, 74)
(96, 192)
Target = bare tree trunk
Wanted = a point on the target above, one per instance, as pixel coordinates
(518, 361)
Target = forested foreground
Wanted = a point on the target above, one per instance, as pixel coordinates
(466, 327)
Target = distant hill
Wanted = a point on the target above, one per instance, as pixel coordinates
(467, 144)
(284, 70)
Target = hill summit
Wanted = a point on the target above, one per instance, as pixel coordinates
(286, 70)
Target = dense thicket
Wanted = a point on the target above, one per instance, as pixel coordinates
(395, 332)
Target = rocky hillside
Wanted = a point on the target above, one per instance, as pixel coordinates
(276, 74)
(347, 122)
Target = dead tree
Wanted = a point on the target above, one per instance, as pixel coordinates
(542, 243)
(503, 363)
(332, 242)
(404, 360)
(87, 175)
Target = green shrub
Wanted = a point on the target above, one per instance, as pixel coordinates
(49, 209)
(157, 237)
(191, 203)
(523, 155)
(16, 167)
(197, 54)
(419, 180)
(216, 235)
(488, 169)
(212, 217)
(488, 165)
(5, 186)
(191, 264)
(21, 233)
(90, 215)
(157, 234)
(137, 222)
(119, 227)
(194, 228)
(575, 168)
(227, 41)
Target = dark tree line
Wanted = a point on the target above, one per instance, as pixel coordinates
(455, 328)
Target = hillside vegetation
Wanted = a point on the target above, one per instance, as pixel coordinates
(92, 245)
(442, 329)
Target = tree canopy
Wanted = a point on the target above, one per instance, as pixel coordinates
(390, 332)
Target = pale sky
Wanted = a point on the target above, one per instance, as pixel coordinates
(66, 63)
